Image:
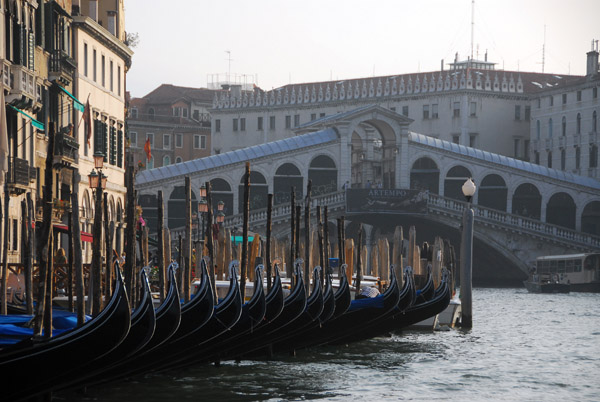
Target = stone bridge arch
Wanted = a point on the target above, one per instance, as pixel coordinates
(493, 192)
(454, 180)
(425, 175)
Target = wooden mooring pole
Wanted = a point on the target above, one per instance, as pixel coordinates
(307, 239)
(246, 209)
(161, 250)
(268, 243)
(76, 245)
(289, 268)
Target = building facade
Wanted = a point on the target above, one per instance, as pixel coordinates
(175, 120)
(471, 104)
(564, 128)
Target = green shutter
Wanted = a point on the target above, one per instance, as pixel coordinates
(120, 148)
(105, 141)
(113, 146)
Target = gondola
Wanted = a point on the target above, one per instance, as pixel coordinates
(143, 320)
(293, 307)
(310, 315)
(428, 290)
(45, 360)
(361, 312)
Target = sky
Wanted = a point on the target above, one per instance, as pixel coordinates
(277, 42)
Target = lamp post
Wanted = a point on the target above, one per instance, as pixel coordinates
(466, 257)
(97, 183)
(202, 210)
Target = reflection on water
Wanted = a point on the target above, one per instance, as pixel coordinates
(522, 347)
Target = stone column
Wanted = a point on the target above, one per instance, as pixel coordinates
(402, 159)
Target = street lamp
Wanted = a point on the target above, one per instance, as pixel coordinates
(220, 217)
(97, 183)
(466, 256)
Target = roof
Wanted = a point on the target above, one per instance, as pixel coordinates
(351, 113)
(168, 93)
(505, 161)
(237, 156)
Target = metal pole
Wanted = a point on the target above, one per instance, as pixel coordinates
(466, 268)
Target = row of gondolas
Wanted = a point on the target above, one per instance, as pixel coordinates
(119, 343)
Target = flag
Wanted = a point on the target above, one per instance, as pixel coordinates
(147, 149)
(3, 138)
(87, 118)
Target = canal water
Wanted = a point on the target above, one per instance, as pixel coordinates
(523, 347)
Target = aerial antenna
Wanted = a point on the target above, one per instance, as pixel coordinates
(472, 25)
(229, 60)
(544, 50)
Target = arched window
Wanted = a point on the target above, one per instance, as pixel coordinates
(594, 121)
(578, 123)
(538, 129)
(564, 126)
(178, 159)
(550, 128)
(593, 155)
(166, 160)
(549, 159)
(151, 113)
(563, 159)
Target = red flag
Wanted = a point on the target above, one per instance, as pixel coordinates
(87, 118)
(147, 149)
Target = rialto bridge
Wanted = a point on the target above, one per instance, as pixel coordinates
(522, 210)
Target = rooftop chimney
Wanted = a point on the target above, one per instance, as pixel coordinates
(592, 62)
(236, 91)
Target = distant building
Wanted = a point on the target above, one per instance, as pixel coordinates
(471, 104)
(175, 120)
(564, 126)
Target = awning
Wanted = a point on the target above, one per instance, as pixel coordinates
(76, 103)
(85, 236)
(34, 122)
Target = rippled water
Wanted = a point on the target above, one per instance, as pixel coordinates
(525, 347)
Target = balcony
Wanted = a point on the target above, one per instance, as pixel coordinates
(65, 149)
(18, 175)
(22, 82)
(548, 144)
(62, 67)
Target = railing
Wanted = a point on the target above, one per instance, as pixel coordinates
(59, 61)
(66, 146)
(18, 171)
(512, 221)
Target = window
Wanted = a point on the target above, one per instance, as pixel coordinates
(593, 156)
(516, 146)
(551, 100)
(235, 124)
(578, 123)
(150, 136)
(456, 109)
(259, 123)
(456, 139)
(526, 149)
(537, 157)
(184, 112)
(594, 92)
(166, 160)
(176, 111)
(178, 140)
(313, 116)
(393, 108)
(133, 138)
(425, 111)
(94, 65)
(434, 111)
(472, 109)
(517, 112)
(527, 113)
(577, 157)
(119, 80)
(405, 111)
(539, 103)
(199, 141)
(594, 121)
(550, 128)
(243, 124)
(288, 121)
(178, 159)
(537, 130)
(564, 99)
(133, 113)
(103, 70)
(578, 96)
(473, 140)
(14, 239)
(550, 159)
(564, 126)
(296, 120)
(85, 59)
(563, 159)
(167, 141)
(111, 77)
(151, 113)
(217, 125)
(271, 122)
(323, 114)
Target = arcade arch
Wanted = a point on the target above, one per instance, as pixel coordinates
(560, 210)
(425, 175)
(493, 192)
(323, 174)
(286, 177)
(258, 192)
(455, 178)
(527, 201)
(590, 218)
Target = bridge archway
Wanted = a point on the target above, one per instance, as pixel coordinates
(176, 206)
(425, 175)
(560, 210)
(357, 157)
(221, 191)
(527, 201)
(493, 192)
(258, 192)
(590, 218)
(324, 175)
(286, 176)
(455, 178)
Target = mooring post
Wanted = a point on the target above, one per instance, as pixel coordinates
(466, 269)
(160, 250)
(290, 266)
(246, 207)
(307, 242)
(268, 242)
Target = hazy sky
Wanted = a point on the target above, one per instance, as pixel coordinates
(275, 42)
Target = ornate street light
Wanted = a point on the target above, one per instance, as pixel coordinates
(468, 189)
(220, 217)
(93, 179)
(466, 256)
(98, 160)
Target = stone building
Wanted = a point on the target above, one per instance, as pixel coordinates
(175, 120)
